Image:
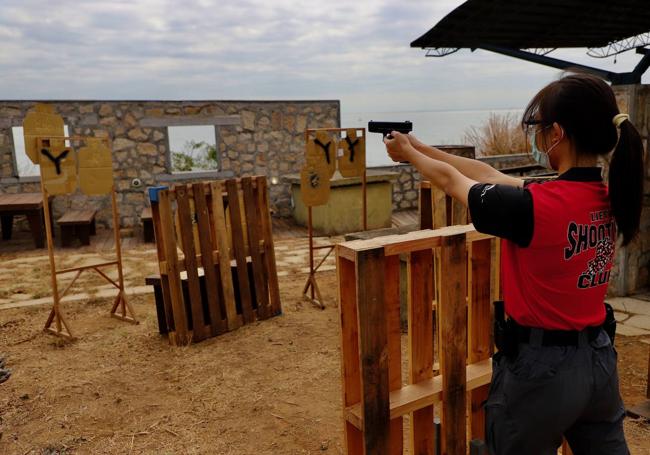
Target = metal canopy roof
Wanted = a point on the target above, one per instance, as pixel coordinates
(522, 24)
(531, 29)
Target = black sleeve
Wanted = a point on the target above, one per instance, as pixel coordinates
(502, 210)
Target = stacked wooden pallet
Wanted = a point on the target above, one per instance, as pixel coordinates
(214, 225)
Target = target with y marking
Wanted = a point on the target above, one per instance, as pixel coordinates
(322, 149)
(352, 163)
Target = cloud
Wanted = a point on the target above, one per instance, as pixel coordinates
(282, 49)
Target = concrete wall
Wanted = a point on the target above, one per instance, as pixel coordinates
(632, 270)
(253, 137)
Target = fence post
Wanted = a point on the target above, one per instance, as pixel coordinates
(373, 344)
(453, 331)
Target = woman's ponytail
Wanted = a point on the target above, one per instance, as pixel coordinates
(626, 174)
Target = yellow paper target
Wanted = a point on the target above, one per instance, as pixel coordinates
(95, 167)
(315, 184)
(322, 149)
(352, 162)
(58, 166)
(41, 122)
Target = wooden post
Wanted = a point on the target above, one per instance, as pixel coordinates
(479, 324)
(181, 335)
(217, 324)
(269, 251)
(350, 370)
(222, 240)
(240, 253)
(199, 330)
(420, 344)
(55, 314)
(453, 330)
(392, 303)
(373, 344)
(120, 300)
(426, 207)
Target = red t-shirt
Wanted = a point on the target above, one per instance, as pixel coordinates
(559, 281)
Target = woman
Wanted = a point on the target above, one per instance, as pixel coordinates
(557, 374)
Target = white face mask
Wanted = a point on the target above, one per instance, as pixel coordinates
(539, 156)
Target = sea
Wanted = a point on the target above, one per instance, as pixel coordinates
(432, 127)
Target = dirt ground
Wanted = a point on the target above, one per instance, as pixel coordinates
(267, 388)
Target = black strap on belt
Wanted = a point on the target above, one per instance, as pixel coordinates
(555, 337)
(326, 149)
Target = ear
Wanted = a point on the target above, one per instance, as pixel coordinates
(557, 132)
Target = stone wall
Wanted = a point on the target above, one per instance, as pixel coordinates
(253, 137)
(405, 188)
(506, 161)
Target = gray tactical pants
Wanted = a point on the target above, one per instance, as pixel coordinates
(547, 392)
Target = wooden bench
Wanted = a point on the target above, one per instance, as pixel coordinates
(77, 223)
(147, 225)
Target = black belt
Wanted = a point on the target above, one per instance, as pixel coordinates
(556, 337)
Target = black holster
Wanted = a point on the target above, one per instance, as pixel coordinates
(609, 326)
(505, 332)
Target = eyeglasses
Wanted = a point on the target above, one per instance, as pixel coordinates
(531, 123)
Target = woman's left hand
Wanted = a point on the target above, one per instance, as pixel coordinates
(399, 148)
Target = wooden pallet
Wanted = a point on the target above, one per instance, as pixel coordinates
(375, 400)
(438, 210)
(207, 225)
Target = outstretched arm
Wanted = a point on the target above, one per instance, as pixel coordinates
(443, 175)
(473, 169)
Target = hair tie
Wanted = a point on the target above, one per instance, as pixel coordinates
(619, 118)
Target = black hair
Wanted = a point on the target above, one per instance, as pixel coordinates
(585, 105)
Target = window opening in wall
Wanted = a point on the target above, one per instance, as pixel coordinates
(193, 148)
(24, 166)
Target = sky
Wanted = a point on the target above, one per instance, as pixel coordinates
(354, 51)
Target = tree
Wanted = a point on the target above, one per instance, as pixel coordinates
(195, 156)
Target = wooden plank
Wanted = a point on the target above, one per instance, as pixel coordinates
(412, 241)
(479, 322)
(222, 241)
(180, 336)
(453, 331)
(350, 372)
(426, 393)
(426, 207)
(439, 208)
(373, 344)
(164, 279)
(84, 267)
(200, 331)
(217, 323)
(253, 225)
(392, 303)
(239, 248)
(459, 212)
(269, 251)
(420, 344)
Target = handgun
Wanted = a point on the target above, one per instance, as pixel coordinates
(385, 128)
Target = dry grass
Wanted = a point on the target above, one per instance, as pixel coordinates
(501, 134)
